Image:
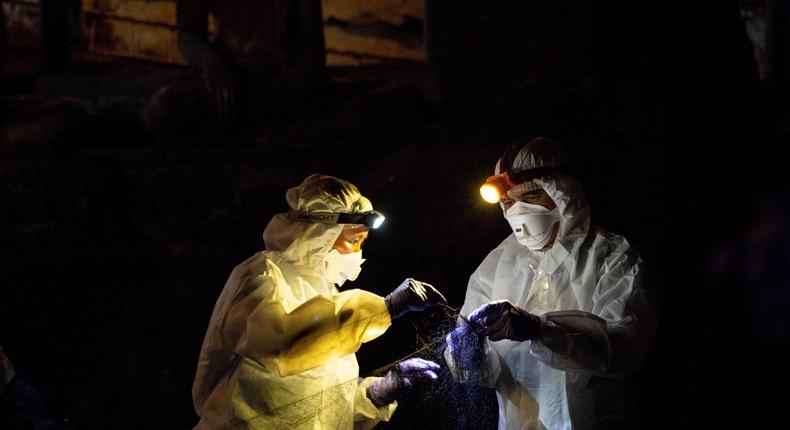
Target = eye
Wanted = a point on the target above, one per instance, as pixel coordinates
(357, 241)
(530, 197)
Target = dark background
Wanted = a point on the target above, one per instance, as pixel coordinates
(114, 246)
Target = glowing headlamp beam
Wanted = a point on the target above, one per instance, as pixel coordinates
(495, 186)
(489, 193)
(378, 221)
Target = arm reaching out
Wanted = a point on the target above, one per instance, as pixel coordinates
(319, 330)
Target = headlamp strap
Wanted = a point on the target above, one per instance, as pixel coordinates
(371, 219)
(313, 217)
(530, 174)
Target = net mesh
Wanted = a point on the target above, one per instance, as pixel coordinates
(450, 402)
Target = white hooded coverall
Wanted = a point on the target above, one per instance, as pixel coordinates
(279, 349)
(600, 304)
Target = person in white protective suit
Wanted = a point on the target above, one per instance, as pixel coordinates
(569, 309)
(279, 349)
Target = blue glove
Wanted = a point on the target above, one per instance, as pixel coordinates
(412, 295)
(502, 320)
(400, 380)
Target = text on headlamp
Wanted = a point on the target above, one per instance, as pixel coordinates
(320, 217)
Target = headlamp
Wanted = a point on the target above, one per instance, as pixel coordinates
(498, 185)
(372, 219)
(495, 187)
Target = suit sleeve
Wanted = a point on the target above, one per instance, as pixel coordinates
(613, 340)
(319, 330)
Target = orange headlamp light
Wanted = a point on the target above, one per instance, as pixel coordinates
(497, 186)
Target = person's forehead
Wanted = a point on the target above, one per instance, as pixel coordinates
(529, 188)
(355, 231)
(530, 196)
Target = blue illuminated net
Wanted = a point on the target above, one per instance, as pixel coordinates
(447, 403)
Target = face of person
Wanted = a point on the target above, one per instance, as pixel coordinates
(535, 197)
(351, 239)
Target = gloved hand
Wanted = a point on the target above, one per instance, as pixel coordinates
(412, 295)
(502, 320)
(400, 380)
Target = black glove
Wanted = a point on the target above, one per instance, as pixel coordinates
(400, 380)
(502, 320)
(412, 295)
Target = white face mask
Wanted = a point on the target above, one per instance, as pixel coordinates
(342, 267)
(532, 224)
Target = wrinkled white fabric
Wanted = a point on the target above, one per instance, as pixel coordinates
(538, 152)
(279, 349)
(599, 304)
(343, 267)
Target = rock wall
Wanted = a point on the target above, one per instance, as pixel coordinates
(357, 32)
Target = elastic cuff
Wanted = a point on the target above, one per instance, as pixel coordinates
(391, 307)
(374, 399)
(365, 410)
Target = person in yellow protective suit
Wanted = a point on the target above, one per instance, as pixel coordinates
(279, 349)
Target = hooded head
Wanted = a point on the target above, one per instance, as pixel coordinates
(306, 244)
(545, 154)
